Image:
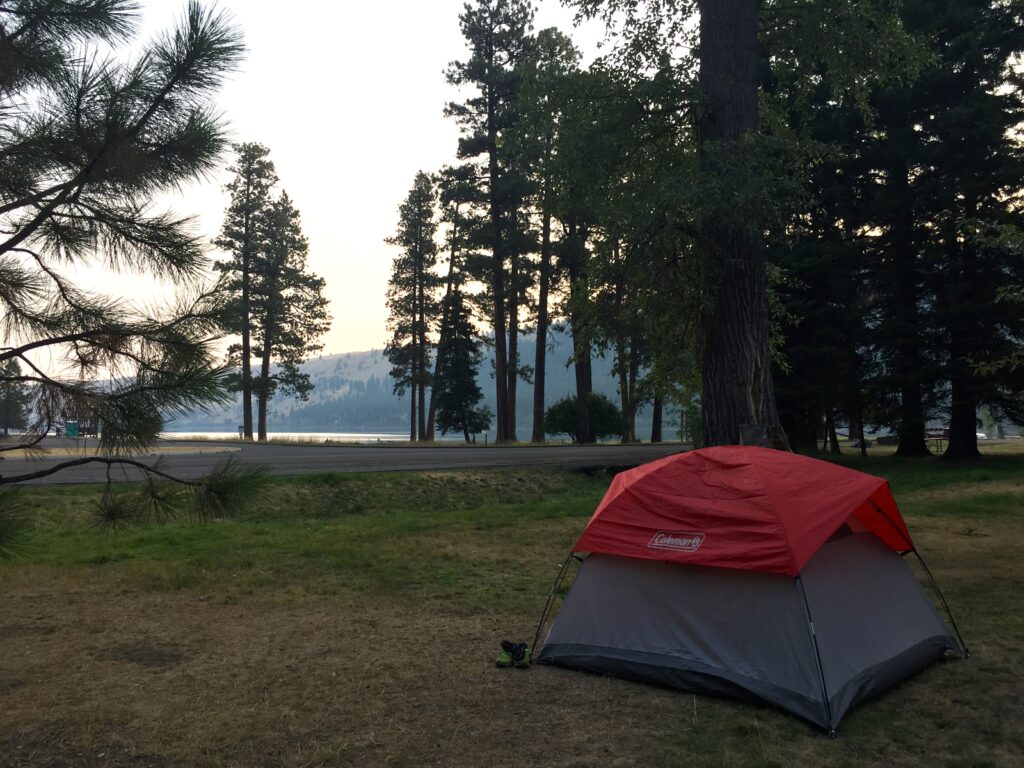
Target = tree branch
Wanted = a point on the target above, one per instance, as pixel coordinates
(146, 468)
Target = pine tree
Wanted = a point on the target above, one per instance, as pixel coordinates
(496, 31)
(289, 308)
(14, 397)
(912, 238)
(458, 394)
(459, 198)
(87, 143)
(411, 303)
(738, 45)
(548, 77)
(973, 189)
(240, 236)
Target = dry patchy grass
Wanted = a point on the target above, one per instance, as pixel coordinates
(355, 620)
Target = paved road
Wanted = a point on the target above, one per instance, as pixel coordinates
(191, 459)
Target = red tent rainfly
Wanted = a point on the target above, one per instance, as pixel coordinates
(740, 507)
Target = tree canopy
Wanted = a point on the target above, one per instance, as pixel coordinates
(86, 144)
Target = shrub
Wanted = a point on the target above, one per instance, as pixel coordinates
(605, 419)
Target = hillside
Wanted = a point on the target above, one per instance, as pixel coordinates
(353, 393)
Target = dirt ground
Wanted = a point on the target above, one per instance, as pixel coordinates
(223, 661)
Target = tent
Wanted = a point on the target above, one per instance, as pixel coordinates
(753, 573)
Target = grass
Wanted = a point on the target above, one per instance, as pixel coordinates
(354, 620)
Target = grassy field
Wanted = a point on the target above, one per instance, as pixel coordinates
(354, 620)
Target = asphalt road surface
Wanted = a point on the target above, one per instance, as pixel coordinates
(188, 459)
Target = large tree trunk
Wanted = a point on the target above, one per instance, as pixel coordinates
(656, 417)
(421, 353)
(540, 358)
(247, 249)
(963, 423)
(580, 340)
(497, 276)
(737, 391)
(264, 392)
(264, 380)
(246, 354)
(634, 374)
(584, 386)
(833, 438)
(513, 342)
(412, 411)
(907, 360)
(624, 391)
(412, 380)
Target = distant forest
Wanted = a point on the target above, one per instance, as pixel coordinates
(353, 392)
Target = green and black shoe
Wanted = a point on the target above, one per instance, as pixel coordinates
(514, 655)
(522, 661)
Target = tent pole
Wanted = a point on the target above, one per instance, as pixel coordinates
(817, 655)
(551, 597)
(942, 598)
(927, 570)
(895, 527)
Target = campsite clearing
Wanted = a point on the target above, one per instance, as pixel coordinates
(354, 620)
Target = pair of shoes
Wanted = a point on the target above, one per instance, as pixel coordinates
(514, 655)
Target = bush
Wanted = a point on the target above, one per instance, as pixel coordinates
(605, 419)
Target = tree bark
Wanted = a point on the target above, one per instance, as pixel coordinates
(580, 340)
(264, 385)
(544, 278)
(737, 389)
(584, 386)
(656, 417)
(963, 421)
(513, 342)
(497, 274)
(247, 248)
(412, 412)
(421, 350)
(833, 438)
(264, 381)
(634, 373)
(907, 360)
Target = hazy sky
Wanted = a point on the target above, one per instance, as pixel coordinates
(349, 99)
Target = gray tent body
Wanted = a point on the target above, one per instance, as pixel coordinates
(855, 622)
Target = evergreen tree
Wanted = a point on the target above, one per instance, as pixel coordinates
(14, 397)
(972, 176)
(241, 237)
(737, 44)
(289, 308)
(411, 302)
(459, 197)
(458, 394)
(86, 144)
(547, 80)
(912, 238)
(496, 31)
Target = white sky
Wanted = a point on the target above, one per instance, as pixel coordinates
(349, 98)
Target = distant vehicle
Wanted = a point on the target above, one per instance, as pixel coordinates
(981, 435)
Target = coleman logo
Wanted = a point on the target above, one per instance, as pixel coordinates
(681, 542)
